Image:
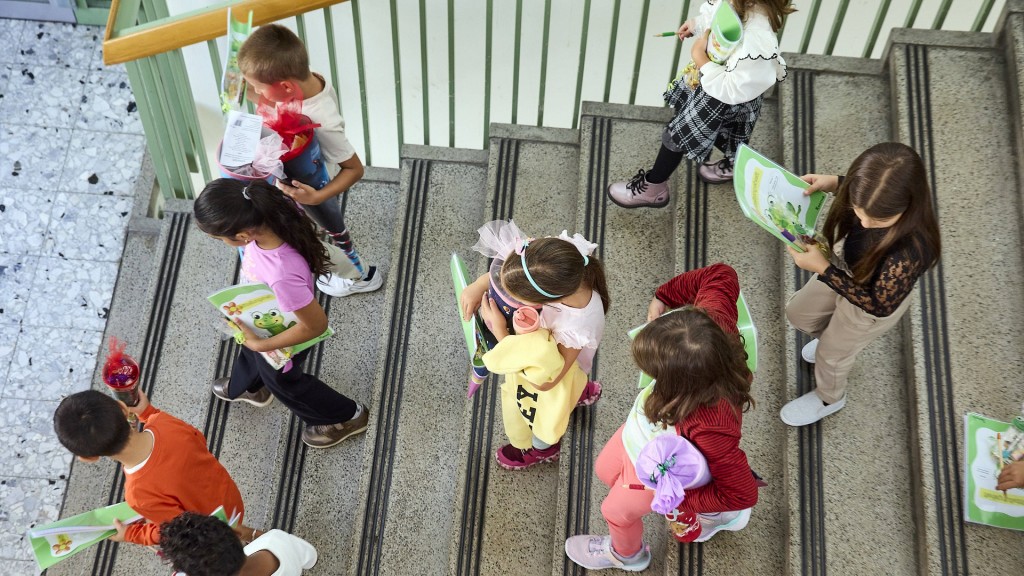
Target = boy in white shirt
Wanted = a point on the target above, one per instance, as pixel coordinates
(275, 63)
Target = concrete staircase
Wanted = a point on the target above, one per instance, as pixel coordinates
(876, 488)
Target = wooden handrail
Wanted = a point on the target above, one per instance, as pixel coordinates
(194, 27)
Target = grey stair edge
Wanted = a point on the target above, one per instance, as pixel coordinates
(459, 155)
(658, 114)
(947, 376)
(379, 174)
(1011, 34)
(947, 38)
(834, 64)
(395, 476)
(534, 133)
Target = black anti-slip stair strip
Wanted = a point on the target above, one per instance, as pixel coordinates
(382, 466)
(217, 410)
(949, 535)
(289, 486)
(485, 401)
(581, 423)
(149, 357)
(809, 441)
(695, 255)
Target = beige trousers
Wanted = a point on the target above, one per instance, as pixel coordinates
(843, 331)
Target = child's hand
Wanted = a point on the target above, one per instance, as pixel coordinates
(822, 182)
(685, 31)
(699, 50)
(121, 528)
(143, 404)
(493, 317)
(656, 308)
(811, 260)
(252, 341)
(1012, 476)
(471, 299)
(301, 193)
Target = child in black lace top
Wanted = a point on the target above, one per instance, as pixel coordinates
(883, 235)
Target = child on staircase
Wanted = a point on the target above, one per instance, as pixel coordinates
(701, 389)
(282, 251)
(716, 105)
(560, 276)
(275, 63)
(884, 235)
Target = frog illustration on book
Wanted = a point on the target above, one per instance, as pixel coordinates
(786, 216)
(271, 320)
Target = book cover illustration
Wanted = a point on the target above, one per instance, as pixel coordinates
(256, 306)
(745, 325)
(52, 543)
(726, 33)
(984, 442)
(472, 329)
(232, 83)
(774, 198)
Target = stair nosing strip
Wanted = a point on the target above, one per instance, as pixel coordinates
(934, 319)
(375, 513)
(106, 554)
(581, 422)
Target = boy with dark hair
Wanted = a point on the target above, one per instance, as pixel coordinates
(204, 546)
(167, 466)
(275, 63)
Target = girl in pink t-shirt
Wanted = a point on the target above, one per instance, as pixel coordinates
(563, 278)
(281, 250)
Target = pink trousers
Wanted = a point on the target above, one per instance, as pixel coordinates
(624, 508)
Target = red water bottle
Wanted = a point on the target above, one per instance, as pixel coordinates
(121, 374)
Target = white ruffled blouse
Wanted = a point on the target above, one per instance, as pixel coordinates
(755, 65)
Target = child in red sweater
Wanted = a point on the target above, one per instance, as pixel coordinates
(701, 389)
(167, 467)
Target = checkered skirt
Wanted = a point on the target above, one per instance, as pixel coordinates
(703, 122)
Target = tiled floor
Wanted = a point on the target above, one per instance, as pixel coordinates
(71, 147)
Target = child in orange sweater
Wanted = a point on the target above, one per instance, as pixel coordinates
(167, 467)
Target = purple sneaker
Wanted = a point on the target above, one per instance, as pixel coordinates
(639, 193)
(716, 172)
(595, 553)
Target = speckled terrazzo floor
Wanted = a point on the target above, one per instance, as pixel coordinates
(71, 145)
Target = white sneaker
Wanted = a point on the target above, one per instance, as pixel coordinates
(711, 524)
(340, 287)
(808, 409)
(809, 350)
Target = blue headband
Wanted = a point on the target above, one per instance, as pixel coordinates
(541, 291)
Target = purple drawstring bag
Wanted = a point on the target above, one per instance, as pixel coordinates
(670, 464)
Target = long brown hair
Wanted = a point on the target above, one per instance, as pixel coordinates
(558, 268)
(776, 10)
(885, 181)
(693, 362)
(223, 210)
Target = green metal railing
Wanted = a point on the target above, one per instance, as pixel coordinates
(168, 110)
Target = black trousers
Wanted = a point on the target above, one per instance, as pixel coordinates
(310, 399)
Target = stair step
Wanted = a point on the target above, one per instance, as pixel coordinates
(841, 492)
(710, 228)
(965, 338)
(410, 468)
(1010, 30)
(636, 248)
(508, 518)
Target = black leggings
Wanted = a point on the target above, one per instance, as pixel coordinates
(310, 399)
(664, 165)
